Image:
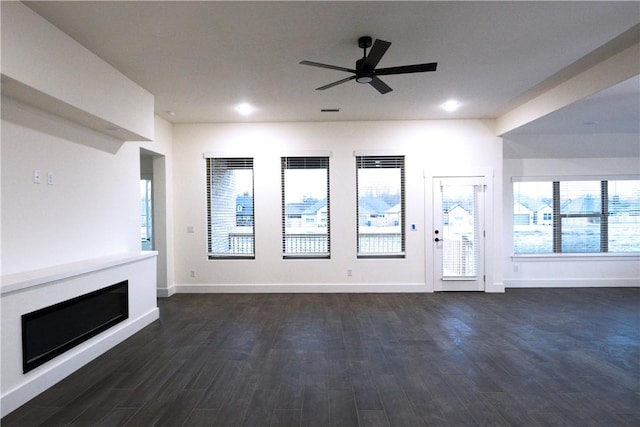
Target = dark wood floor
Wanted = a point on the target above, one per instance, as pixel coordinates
(554, 357)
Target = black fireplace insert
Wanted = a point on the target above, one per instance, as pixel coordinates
(49, 332)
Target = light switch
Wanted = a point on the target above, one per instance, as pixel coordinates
(36, 176)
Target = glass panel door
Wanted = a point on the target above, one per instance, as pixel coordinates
(458, 234)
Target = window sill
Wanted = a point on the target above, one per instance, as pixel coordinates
(231, 256)
(379, 256)
(306, 256)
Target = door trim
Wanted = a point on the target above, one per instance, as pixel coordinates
(492, 217)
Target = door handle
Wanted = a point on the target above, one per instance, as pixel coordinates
(438, 239)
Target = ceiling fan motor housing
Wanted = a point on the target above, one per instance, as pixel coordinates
(364, 74)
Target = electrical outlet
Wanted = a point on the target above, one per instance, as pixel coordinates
(192, 273)
(50, 178)
(349, 272)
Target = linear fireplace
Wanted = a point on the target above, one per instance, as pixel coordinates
(49, 332)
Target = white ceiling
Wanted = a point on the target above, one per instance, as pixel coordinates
(615, 110)
(200, 59)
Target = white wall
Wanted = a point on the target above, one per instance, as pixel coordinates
(66, 113)
(431, 148)
(45, 67)
(90, 211)
(161, 152)
(89, 216)
(571, 270)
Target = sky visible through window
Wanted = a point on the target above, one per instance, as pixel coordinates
(304, 184)
(623, 188)
(244, 181)
(378, 182)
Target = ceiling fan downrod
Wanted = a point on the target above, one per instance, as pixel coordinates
(365, 42)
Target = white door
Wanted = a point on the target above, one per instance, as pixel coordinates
(458, 233)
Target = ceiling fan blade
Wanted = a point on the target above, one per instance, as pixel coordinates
(405, 69)
(378, 49)
(336, 83)
(380, 86)
(331, 67)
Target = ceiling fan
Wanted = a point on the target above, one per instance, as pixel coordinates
(366, 71)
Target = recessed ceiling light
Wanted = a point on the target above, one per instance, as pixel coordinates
(245, 109)
(451, 105)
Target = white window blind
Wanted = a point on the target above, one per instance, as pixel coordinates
(380, 206)
(230, 208)
(305, 207)
(576, 216)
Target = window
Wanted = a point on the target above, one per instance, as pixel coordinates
(146, 226)
(305, 207)
(380, 207)
(587, 216)
(230, 210)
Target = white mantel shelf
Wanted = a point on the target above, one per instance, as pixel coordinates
(19, 281)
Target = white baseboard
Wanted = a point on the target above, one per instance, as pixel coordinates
(572, 283)
(495, 288)
(309, 288)
(165, 292)
(64, 365)
(305, 288)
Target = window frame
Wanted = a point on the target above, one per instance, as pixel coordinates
(384, 161)
(302, 161)
(237, 163)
